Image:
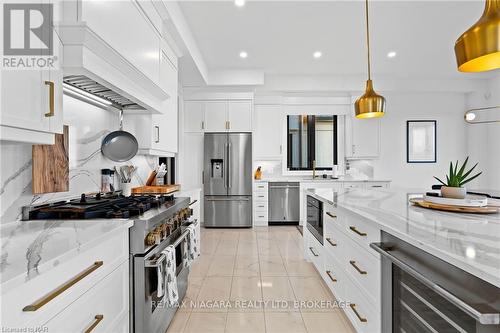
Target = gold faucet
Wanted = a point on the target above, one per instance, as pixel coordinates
(314, 169)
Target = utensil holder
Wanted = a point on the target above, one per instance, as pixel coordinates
(126, 189)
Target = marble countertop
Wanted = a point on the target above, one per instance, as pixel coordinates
(468, 241)
(30, 248)
(319, 179)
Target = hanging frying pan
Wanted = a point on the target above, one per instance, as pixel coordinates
(119, 146)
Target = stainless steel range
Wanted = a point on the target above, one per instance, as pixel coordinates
(159, 221)
(152, 232)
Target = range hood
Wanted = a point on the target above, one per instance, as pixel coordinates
(92, 66)
(82, 87)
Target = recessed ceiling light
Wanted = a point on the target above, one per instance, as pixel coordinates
(243, 54)
(317, 54)
(391, 54)
(470, 116)
(239, 3)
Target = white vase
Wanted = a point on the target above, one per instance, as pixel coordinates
(453, 192)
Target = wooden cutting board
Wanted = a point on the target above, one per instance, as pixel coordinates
(156, 189)
(457, 209)
(50, 169)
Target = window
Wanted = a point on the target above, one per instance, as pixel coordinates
(311, 138)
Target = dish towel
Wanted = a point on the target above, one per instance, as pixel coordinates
(160, 271)
(193, 243)
(172, 296)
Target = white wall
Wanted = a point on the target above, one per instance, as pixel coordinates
(87, 127)
(447, 109)
(483, 140)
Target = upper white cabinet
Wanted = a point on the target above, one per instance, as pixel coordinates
(194, 112)
(31, 102)
(218, 116)
(362, 138)
(239, 116)
(268, 121)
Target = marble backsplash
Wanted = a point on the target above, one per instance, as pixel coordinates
(87, 127)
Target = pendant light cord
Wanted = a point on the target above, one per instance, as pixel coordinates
(368, 39)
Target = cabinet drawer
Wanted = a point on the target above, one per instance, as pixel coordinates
(315, 252)
(364, 317)
(361, 266)
(260, 196)
(260, 206)
(354, 185)
(260, 187)
(360, 230)
(333, 276)
(260, 216)
(111, 251)
(101, 306)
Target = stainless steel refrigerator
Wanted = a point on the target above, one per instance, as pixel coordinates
(227, 180)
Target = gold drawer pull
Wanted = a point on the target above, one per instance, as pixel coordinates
(331, 215)
(361, 319)
(357, 231)
(96, 322)
(329, 240)
(360, 271)
(51, 98)
(329, 273)
(59, 290)
(314, 253)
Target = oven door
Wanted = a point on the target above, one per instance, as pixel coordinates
(315, 218)
(150, 312)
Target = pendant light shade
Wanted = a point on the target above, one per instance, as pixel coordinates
(478, 49)
(370, 104)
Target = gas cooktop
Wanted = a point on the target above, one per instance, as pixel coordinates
(110, 205)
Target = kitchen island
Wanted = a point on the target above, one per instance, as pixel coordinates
(353, 220)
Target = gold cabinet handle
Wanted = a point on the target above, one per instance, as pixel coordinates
(59, 290)
(51, 98)
(312, 251)
(228, 124)
(360, 271)
(329, 273)
(361, 319)
(329, 240)
(353, 229)
(96, 322)
(331, 215)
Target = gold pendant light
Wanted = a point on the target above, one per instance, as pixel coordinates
(478, 49)
(370, 104)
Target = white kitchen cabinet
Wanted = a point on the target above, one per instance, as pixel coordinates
(239, 116)
(194, 112)
(268, 121)
(26, 102)
(104, 288)
(216, 116)
(362, 138)
(191, 160)
(228, 116)
(260, 203)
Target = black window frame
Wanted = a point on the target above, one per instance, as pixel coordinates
(311, 143)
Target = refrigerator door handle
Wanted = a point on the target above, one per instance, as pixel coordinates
(225, 170)
(229, 165)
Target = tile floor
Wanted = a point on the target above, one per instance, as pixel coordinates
(250, 280)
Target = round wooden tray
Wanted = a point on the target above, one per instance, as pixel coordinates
(457, 209)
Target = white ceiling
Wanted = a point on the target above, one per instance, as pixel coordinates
(281, 36)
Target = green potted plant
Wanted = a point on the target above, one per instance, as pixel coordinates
(456, 179)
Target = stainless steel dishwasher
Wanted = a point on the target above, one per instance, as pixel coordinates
(284, 203)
